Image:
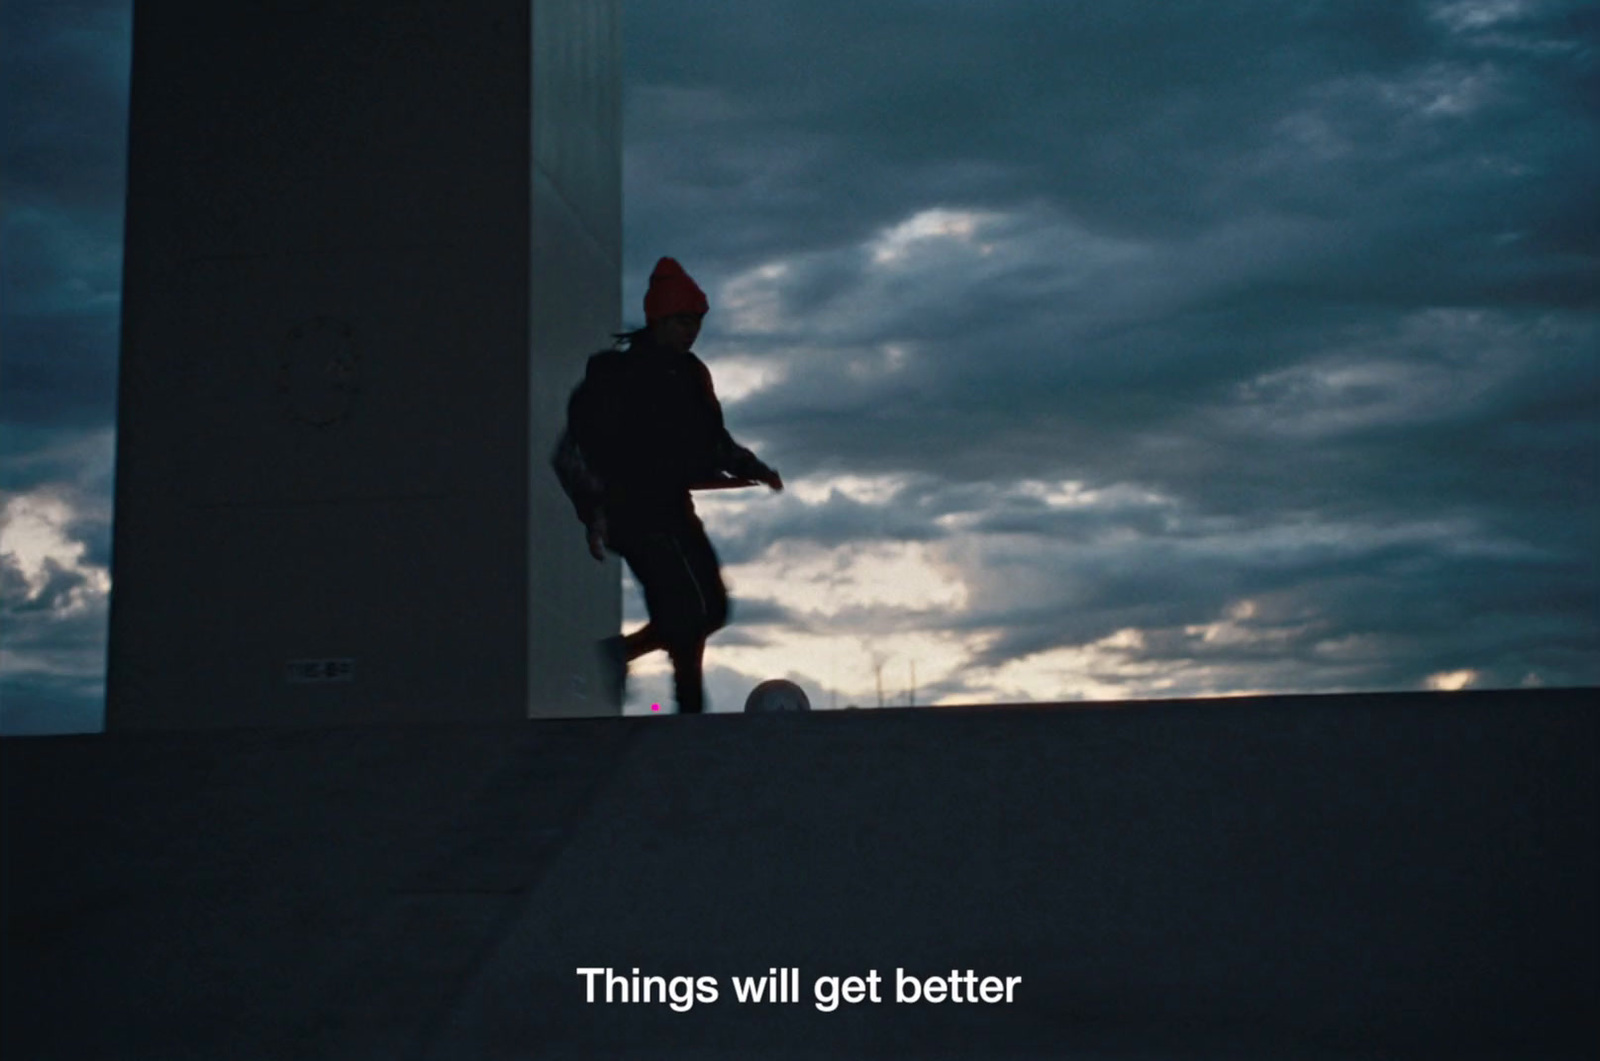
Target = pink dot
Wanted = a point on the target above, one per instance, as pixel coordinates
(655, 707)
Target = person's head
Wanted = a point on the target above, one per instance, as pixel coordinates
(677, 332)
(674, 306)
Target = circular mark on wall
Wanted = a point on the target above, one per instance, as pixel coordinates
(319, 372)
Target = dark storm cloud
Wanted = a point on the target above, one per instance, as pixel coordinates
(1425, 598)
(63, 100)
(1320, 277)
(1266, 152)
(54, 647)
(45, 704)
(64, 69)
(1145, 120)
(61, 373)
(838, 520)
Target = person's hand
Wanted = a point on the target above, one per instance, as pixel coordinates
(772, 479)
(597, 538)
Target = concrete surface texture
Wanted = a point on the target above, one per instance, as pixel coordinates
(1364, 876)
(369, 247)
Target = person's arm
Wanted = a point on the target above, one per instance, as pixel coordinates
(729, 456)
(736, 460)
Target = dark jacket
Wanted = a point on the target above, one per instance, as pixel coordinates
(643, 426)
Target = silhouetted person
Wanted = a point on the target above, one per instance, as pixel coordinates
(642, 427)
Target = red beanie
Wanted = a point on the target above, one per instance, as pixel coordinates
(672, 292)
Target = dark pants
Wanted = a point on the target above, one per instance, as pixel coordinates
(682, 582)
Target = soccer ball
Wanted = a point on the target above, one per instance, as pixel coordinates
(777, 695)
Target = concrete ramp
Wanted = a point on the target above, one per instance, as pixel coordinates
(1282, 877)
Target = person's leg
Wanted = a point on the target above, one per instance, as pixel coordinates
(616, 652)
(678, 571)
(643, 640)
(706, 570)
(688, 652)
(688, 677)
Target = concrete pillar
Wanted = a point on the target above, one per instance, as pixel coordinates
(369, 246)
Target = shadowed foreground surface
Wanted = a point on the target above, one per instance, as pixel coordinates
(1288, 877)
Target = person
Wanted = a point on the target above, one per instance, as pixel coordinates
(643, 428)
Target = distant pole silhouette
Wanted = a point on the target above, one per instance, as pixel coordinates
(911, 697)
(879, 668)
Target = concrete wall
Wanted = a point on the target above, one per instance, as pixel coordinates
(575, 296)
(368, 248)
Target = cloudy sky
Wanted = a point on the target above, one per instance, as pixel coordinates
(1109, 350)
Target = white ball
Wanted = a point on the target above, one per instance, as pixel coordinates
(777, 695)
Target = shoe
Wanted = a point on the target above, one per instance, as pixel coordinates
(614, 669)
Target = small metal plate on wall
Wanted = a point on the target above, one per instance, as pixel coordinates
(303, 671)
